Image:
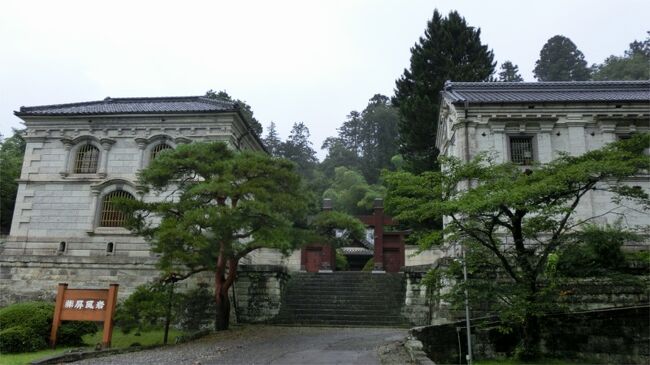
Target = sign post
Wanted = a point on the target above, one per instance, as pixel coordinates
(96, 305)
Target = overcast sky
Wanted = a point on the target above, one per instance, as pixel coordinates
(308, 61)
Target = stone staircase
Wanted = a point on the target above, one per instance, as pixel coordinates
(343, 299)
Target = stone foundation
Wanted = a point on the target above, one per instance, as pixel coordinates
(258, 292)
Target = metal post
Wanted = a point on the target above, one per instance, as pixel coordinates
(467, 321)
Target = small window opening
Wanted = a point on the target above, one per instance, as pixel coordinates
(62, 246)
(531, 107)
(521, 150)
(110, 247)
(618, 106)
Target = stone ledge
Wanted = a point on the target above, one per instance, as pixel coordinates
(43, 259)
(262, 268)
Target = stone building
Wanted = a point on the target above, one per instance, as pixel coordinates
(77, 157)
(525, 122)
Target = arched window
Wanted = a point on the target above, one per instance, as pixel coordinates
(157, 149)
(87, 159)
(111, 216)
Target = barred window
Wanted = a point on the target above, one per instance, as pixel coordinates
(111, 216)
(521, 150)
(158, 149)
(87, 159)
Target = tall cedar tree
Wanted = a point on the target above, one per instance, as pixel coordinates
(298, 149)
(561, 60)
(12, 151)
(216, 207)
(272, 141)
(634, 65)
(515, 220)
(366, 141)
(449, 50)
(509, 73)
(246, 109)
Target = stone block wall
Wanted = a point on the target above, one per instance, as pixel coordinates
(258, 292)
(609, 336)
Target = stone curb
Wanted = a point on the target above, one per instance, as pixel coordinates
(416, 352)
(91, 354)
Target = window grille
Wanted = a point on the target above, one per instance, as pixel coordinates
(87, 159)
(521, 150)
(111, 216)
(155, 152)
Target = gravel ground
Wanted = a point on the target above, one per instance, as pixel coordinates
(277, 345)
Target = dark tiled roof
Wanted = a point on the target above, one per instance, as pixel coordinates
(179, 104)
(547, 92)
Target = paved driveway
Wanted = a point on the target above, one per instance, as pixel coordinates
(273, 345)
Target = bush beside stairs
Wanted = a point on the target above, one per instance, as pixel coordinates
(343, 299)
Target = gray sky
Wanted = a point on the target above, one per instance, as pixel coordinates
(309, 61)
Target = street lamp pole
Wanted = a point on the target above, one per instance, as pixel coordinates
(467, 321)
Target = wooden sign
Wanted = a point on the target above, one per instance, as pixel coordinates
(96, 305)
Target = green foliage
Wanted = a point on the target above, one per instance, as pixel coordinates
(341, 261)
(245, 109)
(449, 50)
(34, 319)
(196, 309)
(634, 65)
(351, 193)
(595, 251)
(561, 60)
(510, 221)
(369, 266)
(298, 149)
(12, 150)
(272, 140)
(143, 310)
(509, 72)
(337, 228)
(216, 206)
(366, 141)
(20, 339)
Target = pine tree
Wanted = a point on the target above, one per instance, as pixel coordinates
(246, 109)
(272, 141)
(561, 60)
(510, 72)
(449, 50)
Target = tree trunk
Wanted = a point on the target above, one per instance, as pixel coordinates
(531, 338)
(223, 311)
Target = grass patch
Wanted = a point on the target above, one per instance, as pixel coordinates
(120, 340)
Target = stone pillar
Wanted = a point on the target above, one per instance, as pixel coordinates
(67, 146)
(500, 140)
(544, 147)
(608, 130)
(378, 222)
(576, 126)
(106, 146)
(94, 205)
(142, 144)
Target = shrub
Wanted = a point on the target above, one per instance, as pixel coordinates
(37, 318)
(369, 266)
(20, 339)
(341, 261)
(144, 309)
(197, 308)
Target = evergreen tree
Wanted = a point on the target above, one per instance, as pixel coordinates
(246, 109)
(510, 72)
(561, 60)
(297, 148)
(272, 141)
(449, 50)
(12, 151)
(634, 65)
